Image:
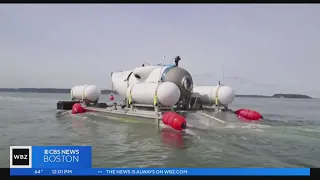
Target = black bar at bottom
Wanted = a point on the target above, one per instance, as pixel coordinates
(5, 171)
(314, 171)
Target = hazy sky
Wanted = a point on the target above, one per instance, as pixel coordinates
(264, 49)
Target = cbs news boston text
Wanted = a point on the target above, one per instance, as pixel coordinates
(76, 161)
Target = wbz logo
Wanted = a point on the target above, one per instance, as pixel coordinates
(20, 156)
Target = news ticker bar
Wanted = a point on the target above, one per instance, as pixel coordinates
(160, 172)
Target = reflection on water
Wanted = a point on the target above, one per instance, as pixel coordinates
(172, 138)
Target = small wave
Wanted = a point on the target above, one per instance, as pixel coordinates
(11, 98)
(257, 127)
(289, 122)
(313, 130)
(191, 132)
(79, 116)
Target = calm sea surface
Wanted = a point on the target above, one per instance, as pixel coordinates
(288, 137)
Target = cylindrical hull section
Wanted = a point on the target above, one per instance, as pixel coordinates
(152, 74)
(120, 81)
(181, 78)
(176, 75)
(143, 72)
(156, 73)
(90, 93)
(167, 93)
(208, 94)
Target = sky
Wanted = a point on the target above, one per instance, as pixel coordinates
(263, 48)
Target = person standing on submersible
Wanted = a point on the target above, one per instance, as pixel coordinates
(176, 60)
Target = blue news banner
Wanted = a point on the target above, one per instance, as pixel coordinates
(76, 161)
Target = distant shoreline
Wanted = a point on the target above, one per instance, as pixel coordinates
(67, 91)
(47, 90)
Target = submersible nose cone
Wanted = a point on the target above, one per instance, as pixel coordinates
(183, 126)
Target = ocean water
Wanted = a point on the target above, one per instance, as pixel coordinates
(289, 136)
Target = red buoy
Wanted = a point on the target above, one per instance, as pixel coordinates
(111, 97)
(249, 114)
(174, 120)
(77, 108)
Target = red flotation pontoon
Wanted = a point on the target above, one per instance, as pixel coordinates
(248, 114)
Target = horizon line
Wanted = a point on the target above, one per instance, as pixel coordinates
(115, 90)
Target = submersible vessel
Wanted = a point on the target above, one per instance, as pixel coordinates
(164, 94)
